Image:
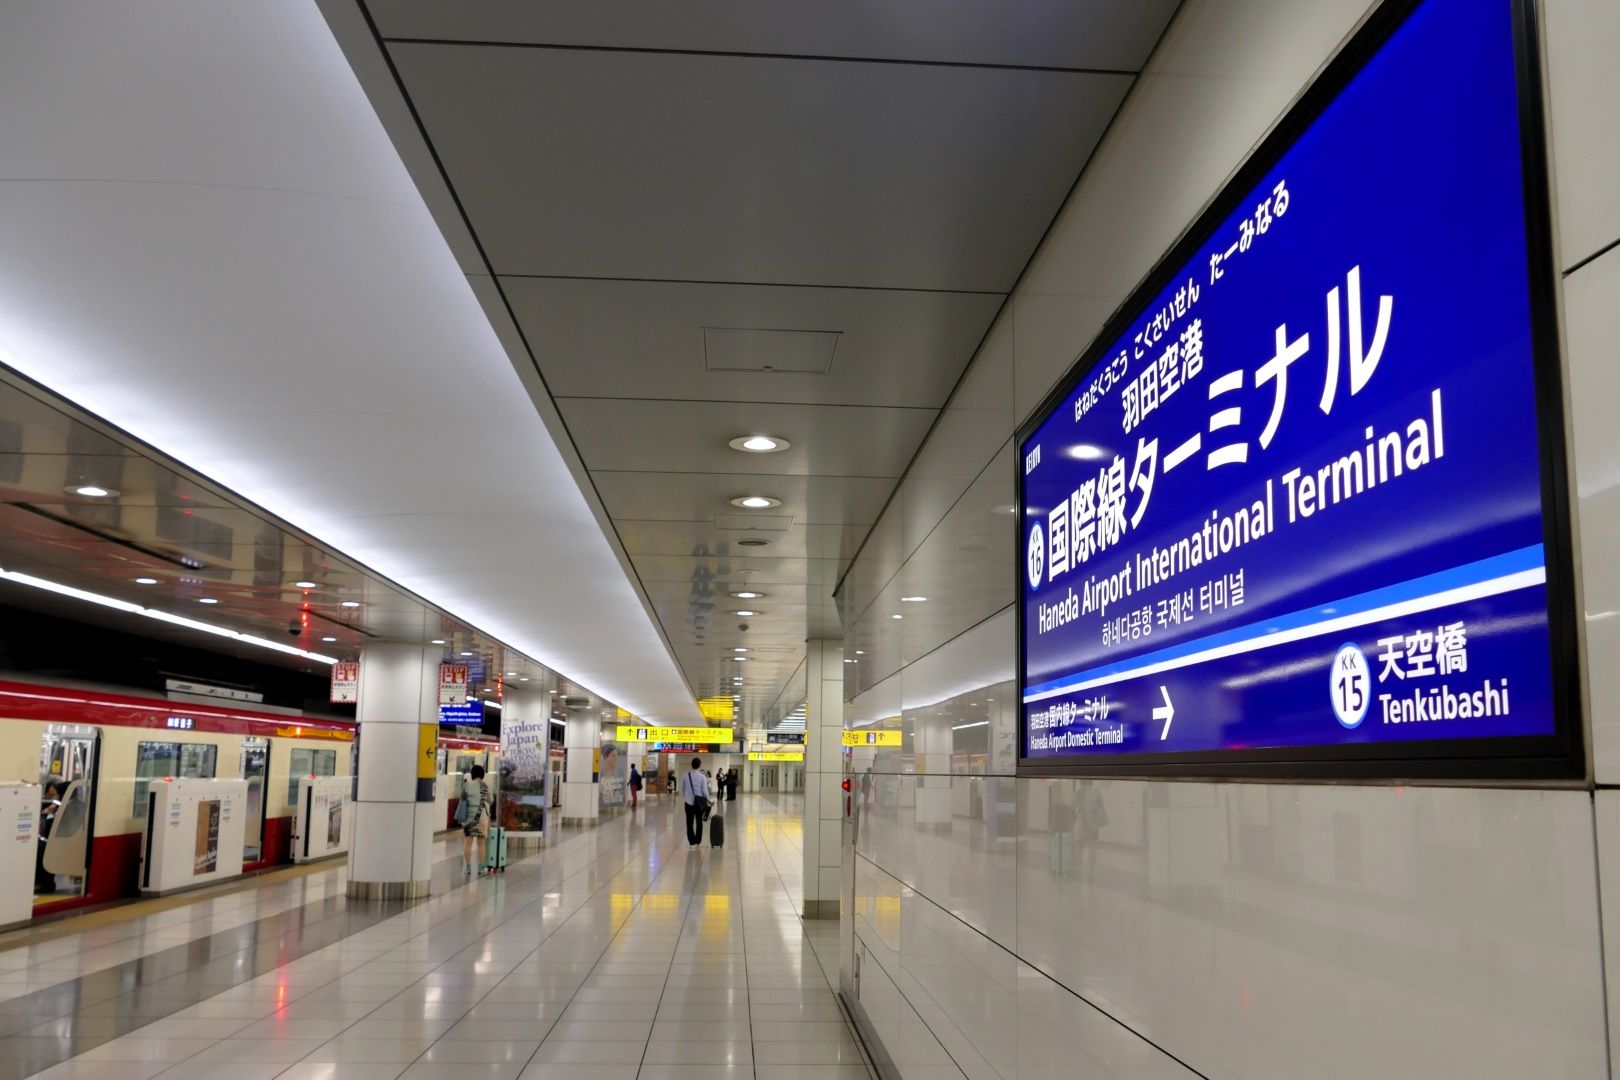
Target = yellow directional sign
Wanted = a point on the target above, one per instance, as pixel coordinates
(717, 708)
(868, 737)
(776, 755)
(714, 736)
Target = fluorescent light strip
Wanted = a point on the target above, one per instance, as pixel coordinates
(161, 616)
(964, 727)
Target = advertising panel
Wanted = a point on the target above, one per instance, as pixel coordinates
(205, 852)
(613, 773)
(1304, 500)
(521, 793)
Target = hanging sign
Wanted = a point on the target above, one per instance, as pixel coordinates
(345, 682)
(872, 738)
(709, 736)
(452, 684)
(1303, 500)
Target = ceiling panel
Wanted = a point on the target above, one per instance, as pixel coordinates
(820, 500)
(644, 339)
(746, 169)
(693, 436)
(1114, 34)
(701, 539)
(778, 579)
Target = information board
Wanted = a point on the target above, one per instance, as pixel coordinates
(470, 713)
(1303, 502)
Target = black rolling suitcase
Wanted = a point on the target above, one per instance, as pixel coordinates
(717, 831)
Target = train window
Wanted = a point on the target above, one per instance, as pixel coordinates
(155, 760)
(306, 762)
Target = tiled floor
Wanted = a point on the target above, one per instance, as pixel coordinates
(614, 952)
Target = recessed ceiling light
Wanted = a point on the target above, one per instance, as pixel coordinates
(740, 648)
(304, 585)
(328, 639)
(523, 678)
(896, 616)
(759, 444)
(851, 661)
(207, 600)
(437, 641)
(511, 674)
(755, 502)
(739, 659)
(92, 491)
(466, 654)
(860, 652)
(749, 595)
(912, 599)
(351, 603)
(146, 581)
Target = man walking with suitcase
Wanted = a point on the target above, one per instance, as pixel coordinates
(695, 791)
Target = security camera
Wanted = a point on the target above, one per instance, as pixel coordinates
(295, 628)
(743, 627)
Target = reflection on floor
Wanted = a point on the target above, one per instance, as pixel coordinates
(616, 951)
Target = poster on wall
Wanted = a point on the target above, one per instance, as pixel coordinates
(612, 771)
(345, 682)
(452, 684)
(206, 852)
(334, 821)
(1303, 501)
(521, 798)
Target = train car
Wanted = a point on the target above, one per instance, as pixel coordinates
(94, 752)
(456, 757)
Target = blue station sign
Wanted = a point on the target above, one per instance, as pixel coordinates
(1300, 502)
(469, 713)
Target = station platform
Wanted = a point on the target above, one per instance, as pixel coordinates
(616, 951)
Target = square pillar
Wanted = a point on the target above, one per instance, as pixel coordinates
(391, 847)
(581, 740)
(823, 776)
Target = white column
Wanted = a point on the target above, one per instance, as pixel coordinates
(391, 846)
(933, 740)
(580, 802)
(823, 776)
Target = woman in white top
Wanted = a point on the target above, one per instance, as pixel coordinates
(475, 821)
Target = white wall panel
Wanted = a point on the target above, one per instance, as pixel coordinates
(1592, 336)
(1252, 931)
(1584, 84)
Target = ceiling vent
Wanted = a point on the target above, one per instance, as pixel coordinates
(770, 352)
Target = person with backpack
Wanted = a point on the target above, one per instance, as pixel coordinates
(695, 792)
(635, 786)
(473, 814)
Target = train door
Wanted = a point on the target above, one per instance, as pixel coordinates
(67, 767)
(256, 771)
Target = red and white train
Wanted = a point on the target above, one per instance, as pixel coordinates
(100, 750)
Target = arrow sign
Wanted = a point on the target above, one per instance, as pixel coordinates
(1165, 712)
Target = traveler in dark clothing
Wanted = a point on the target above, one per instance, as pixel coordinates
(695, 791)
